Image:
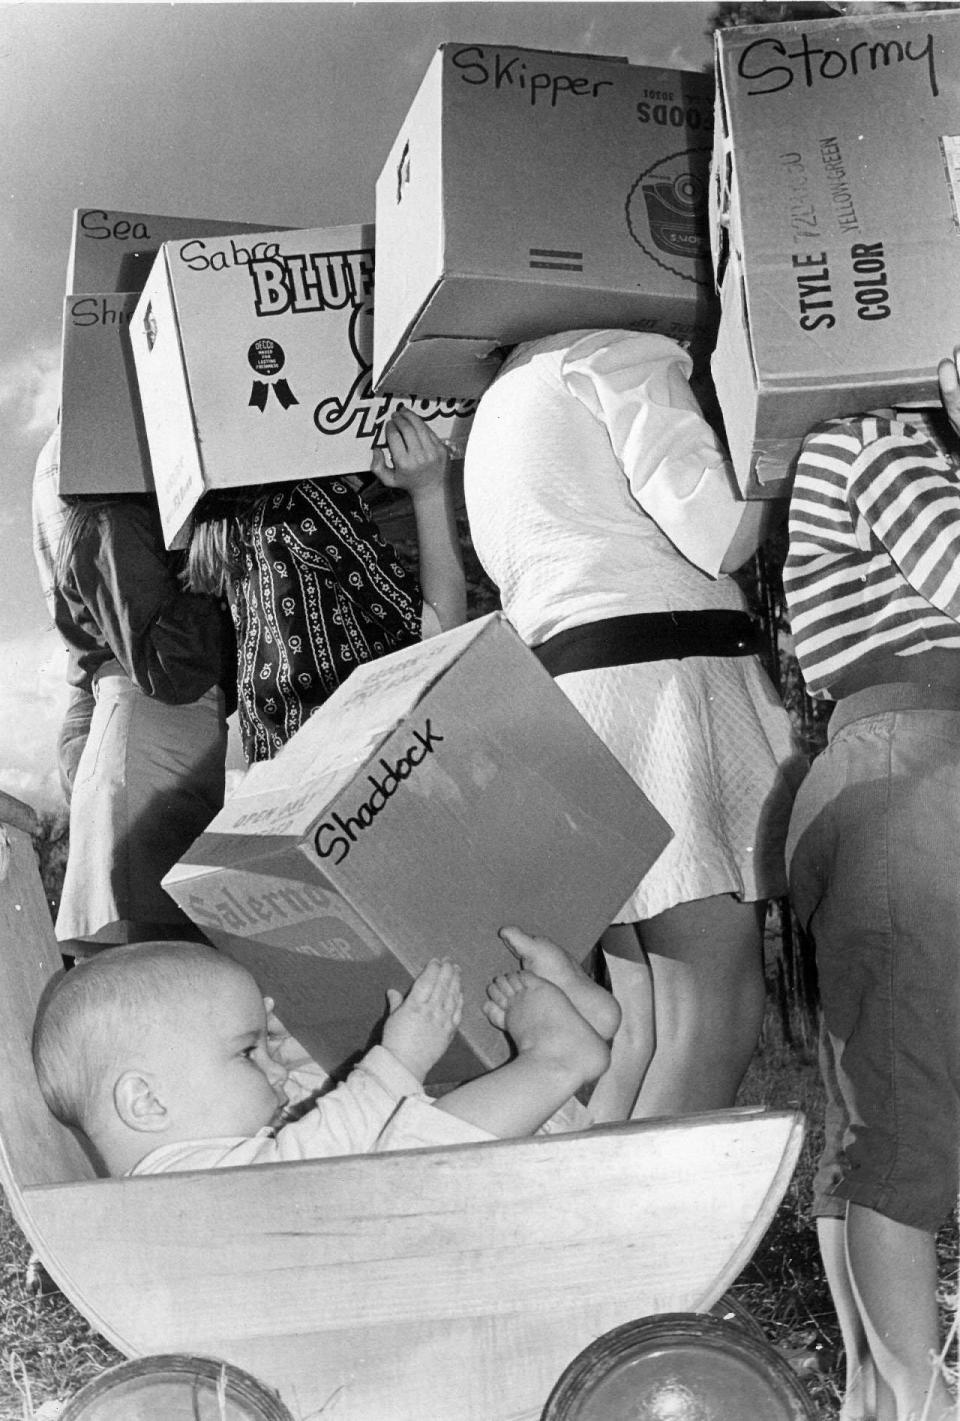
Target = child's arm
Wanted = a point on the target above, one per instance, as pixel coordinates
(421, 465)
(948, 372)
(304, 1076)
(760, 518)
(422, 1024)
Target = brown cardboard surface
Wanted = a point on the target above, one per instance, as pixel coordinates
(529, 192)
(260, 371)
(103, 444)
(444, 791)
(114, 251)
(835, 224)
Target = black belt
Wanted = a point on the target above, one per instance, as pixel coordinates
(650, 636)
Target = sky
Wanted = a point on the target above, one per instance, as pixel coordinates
(280, 114)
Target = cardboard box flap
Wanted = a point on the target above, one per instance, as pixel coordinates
(219, 848)
(471, 364)
(513, 310)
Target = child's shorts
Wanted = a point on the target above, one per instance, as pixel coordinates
(830, 1166)
(874, 861)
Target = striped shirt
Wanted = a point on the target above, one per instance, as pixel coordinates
(873, 564)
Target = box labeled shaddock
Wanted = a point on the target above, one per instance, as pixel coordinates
(530, 192)
(442, 792)
(259, 371)
(114, 251)
(835, 224)
(103, 444)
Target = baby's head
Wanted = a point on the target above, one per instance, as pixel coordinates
(154, 1044)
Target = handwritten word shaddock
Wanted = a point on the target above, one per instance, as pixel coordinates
(336, 836)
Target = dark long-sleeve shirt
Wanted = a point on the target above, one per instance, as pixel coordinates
(119, 599)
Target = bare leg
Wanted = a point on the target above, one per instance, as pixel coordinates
(708, 997)
(557, 1053)
(893, 1270)
(865, 1395)
(615, 1093)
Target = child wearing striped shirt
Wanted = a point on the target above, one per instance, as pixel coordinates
(872, 582)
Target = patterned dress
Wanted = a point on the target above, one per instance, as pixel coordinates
(320, 592)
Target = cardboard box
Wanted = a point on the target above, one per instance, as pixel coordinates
(530, 192)
(114, 251)
(103, 443)
(835, 222)
(442, 792)
(260, 372)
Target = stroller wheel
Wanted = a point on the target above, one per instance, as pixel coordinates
(175, 1387)
(679, 1367)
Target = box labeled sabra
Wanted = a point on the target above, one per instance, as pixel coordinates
(835, 224)
(443, 792)
(258, 371)
(530, 192)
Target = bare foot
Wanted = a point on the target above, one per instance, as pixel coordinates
(546, 959)
(541, 1021)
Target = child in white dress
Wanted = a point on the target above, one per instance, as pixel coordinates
(603, 507)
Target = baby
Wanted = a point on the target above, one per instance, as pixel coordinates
(166, 1057)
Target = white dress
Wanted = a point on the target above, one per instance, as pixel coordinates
(596, 489)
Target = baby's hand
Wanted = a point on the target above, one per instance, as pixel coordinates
(947, 373)
(422, 1024)
(304, 1076)
(420, 459)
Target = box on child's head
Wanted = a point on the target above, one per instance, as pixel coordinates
(443, 792)
(256, 369)
(835, 224)
(530, 192)
(103, 442)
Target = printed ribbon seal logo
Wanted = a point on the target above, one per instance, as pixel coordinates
(316, 282)
(667, 214)
(266, 357)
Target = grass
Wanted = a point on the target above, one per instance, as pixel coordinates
(48, 1351)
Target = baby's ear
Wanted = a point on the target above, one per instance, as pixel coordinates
(137, 1104)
